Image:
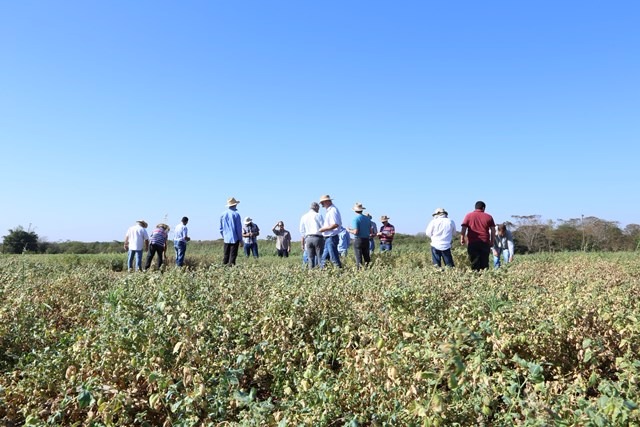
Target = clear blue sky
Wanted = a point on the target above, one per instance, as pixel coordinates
(118, 110)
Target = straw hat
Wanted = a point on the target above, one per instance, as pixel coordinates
(358, 207)
(384, 218)
(325, 198)
(232, 201)
(439, 211)
(248, 220)
(143, 223)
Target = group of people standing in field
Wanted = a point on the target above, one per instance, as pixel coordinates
(479, 232)
(137, 239)
(324, 238)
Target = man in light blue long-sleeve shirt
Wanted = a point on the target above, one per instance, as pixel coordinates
(231, 231)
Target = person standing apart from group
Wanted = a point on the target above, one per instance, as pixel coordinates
(180, 239)
(374, 233)
(441, 230)
(502, 246)
(250, 233)
(386, 233)
(478, 233)
(361, 229)
(135, 241)
(312, 240)
(283, 240)
(231, 232)
(330, 229)
(157, 244)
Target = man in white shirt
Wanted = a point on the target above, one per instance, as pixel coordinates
(312, 240)
(180, 239)
(331, 230)
(135, 241)
(440, 230)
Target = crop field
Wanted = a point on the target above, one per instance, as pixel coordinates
(552, 339)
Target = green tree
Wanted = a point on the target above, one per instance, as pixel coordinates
(20, 240)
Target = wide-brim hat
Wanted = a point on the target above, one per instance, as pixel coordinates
(232, 201)
(384, 218)
(358, 207)
(325, 198)
(247, 220)
(439, 211)
(143, 223)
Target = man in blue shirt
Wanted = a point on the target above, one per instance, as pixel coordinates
(361, 228)
(231, 231)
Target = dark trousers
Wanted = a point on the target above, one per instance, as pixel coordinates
(479, 255)
(361, 250)
(230, 253)
(283, 253)
(153, 249)
(314, 245)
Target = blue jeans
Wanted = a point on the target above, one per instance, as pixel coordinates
(331, 251)
(181, 248)
(372, 245)
(251, 248)
(385, 247)
(138, 257)
(496, 259)
(437, 256)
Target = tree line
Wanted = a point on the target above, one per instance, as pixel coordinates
(530, 233)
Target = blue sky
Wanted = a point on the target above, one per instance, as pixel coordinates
(119, 110)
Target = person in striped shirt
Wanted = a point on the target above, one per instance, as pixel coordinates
(157, 244)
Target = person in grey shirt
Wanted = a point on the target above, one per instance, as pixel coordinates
(502, 245)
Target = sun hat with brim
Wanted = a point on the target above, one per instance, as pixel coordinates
(143, 223)
(232, 201)
(358, 207)
(384, 218)
(248, 220)
(325, 198)
(439, 211)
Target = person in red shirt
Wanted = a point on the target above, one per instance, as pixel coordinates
(478, 231)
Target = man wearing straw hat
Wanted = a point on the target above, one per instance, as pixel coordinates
(135, 241)
(330, 231)
(231, 231)
(440, 230)
(386, 233)
(361, 229)
(250, 233)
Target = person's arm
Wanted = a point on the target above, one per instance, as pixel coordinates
(126, 242)
(463, 234)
